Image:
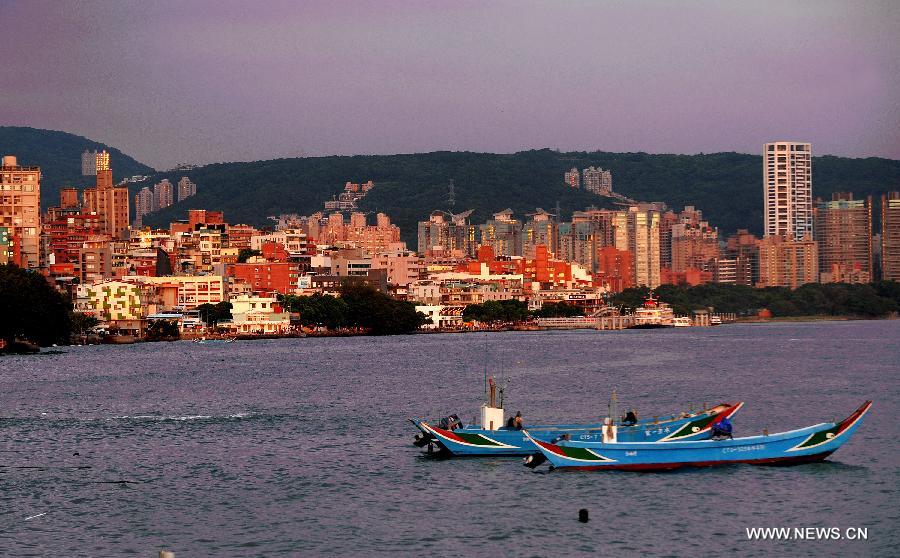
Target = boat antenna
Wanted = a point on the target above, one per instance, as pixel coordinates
(484, 361)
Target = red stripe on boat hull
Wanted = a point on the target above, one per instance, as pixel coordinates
(650, 467)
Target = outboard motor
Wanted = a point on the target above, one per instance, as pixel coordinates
(535, 460)
(422, 440)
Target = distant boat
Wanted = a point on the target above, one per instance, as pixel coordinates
(653, 314)
(715, 320)
(805, 445)
(682, 321)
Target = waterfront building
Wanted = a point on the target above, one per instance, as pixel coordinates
(20, 212)
(110, 301)
(184, 291)
(260, 315)
(788, 263)
(442, 316)
(890, 236)
(843, 230)
(573, 178)
(787, 186)
(186, 189)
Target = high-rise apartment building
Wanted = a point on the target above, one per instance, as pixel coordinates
(788, 263)
(743, 248)
(503, 233)
(143, 204)
(890, 236)
(20, 213)
(597, 180)
(573, 178)
(540, 230)
(843, 230)
(109, 201)
(163, 195)
(91, 161)
(447, 233)
(637, 230)
(694, 246)
(186, 188)
(787, 185)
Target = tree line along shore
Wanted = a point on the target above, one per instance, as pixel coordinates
(33, 314)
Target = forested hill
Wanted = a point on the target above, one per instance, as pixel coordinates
(59, 156)
(726, 186)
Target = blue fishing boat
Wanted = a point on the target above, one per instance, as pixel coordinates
(805, 445)
(494, 438)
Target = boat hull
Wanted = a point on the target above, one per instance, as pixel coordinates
(509, 442)
(806, 445)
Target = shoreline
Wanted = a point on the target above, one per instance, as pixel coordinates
(521, 327)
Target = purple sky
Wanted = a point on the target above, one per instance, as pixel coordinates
(224, 81)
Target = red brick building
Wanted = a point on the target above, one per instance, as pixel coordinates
(614, 269)
(267, 277)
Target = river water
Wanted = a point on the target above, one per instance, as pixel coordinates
(301, 447)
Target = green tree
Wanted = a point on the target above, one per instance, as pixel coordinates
(558, 310)
(82, 323)
(497, 311)
(378, 313)
(211, 314)
(31, 309)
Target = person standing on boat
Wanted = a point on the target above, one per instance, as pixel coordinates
(515, 423)
(630, 418)
(722, 429)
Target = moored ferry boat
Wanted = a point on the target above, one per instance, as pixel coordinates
(653, 314)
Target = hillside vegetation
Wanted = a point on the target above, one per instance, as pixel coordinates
(726, 186)
(59, 156)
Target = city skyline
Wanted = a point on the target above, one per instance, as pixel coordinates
(342, 78)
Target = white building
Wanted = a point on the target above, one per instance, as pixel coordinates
(252, 314)
(442, 316)
(787, 187)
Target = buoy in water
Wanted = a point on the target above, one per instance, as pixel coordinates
(583, 515)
